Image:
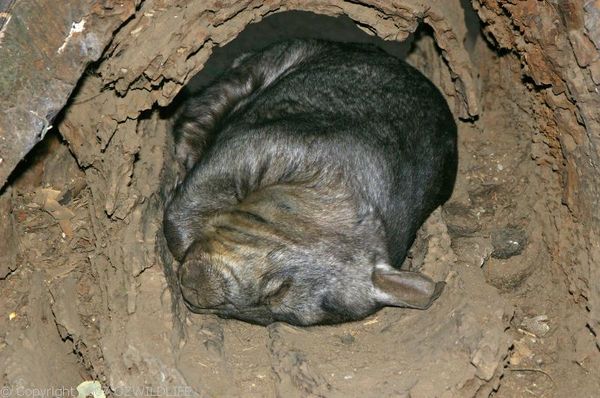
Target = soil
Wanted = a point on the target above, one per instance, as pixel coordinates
(506, 325)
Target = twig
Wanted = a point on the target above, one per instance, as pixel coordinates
(533, 370)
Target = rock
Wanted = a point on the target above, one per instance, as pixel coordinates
(347, 338)
(536, 325)
(521, 352)
(508, 242)
(460, 219)
(473, 251)
(506, 274)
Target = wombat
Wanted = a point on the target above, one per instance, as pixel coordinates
(310, 167)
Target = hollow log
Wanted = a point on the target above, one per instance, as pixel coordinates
(105, 72)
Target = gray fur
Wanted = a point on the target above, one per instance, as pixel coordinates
(311, 165)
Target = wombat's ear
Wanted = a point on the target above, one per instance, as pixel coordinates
(405, 288)
(202, 285)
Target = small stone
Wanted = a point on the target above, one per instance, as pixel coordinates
(347, 338)
(521, 352)
(536, 325)
(508, 242)
(473, 251)
(506, 274)
(484, 359)
(460, 219)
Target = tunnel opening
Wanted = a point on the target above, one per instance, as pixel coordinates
(83, 220)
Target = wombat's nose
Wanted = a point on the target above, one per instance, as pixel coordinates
(202, 286)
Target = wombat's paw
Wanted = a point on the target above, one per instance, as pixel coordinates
(185, 155)
(189, 141)
(240, 59)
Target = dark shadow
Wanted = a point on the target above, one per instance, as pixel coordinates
(289, 25)
(32, 163)
(473, 24)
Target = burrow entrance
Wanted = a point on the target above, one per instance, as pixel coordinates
(89, 283)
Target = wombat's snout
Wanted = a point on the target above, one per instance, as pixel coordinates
(202, 286)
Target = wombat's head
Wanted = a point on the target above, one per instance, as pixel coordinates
(262, 279)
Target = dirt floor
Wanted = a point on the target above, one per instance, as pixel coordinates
(506, 326)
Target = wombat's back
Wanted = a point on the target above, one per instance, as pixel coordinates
(375, 117)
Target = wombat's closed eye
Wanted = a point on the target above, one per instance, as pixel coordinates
(311, 165)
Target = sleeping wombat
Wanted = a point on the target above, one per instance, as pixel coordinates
(311, 165)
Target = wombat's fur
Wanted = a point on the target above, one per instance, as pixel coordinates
(311, 165)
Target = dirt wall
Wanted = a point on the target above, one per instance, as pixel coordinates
(558, 45)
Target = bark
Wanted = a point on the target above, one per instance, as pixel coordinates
(44, 48)
(558, 45)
